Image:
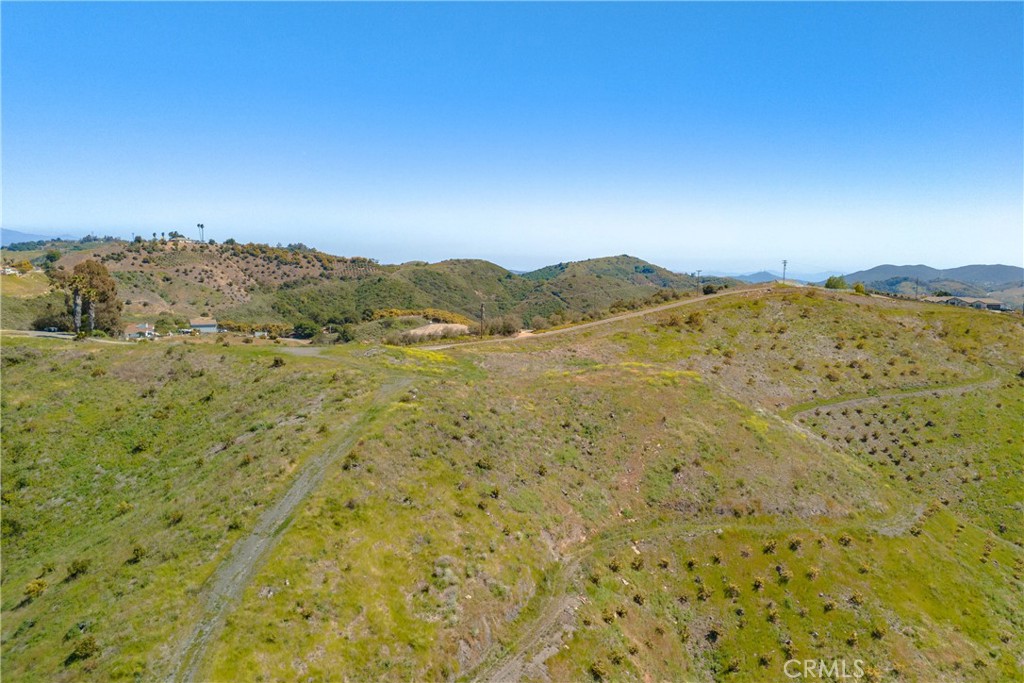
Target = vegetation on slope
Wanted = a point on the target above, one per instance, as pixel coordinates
(667, 497)
(255, 283)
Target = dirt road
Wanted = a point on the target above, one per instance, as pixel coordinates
(605, 321)
(231, 578)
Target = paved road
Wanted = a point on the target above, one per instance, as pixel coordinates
(36, 333)
(604, 321)
(66, 336)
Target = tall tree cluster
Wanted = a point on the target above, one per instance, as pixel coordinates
(90, 293)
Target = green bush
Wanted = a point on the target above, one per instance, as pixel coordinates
(84, 649)
(77, 568)
(836, 282)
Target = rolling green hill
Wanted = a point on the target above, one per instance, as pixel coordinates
(701, 493)
(254, 284)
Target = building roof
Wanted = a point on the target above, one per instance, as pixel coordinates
(977, 300)
(937, 299)
(196, 322)
(139, 327)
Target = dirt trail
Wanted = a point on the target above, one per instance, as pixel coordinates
(896, 396)
(542, 638)
(227, 582)
(605, 321)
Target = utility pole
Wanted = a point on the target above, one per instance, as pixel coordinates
(698, 283)
(481, 318)
(784, 264)
(201, 227)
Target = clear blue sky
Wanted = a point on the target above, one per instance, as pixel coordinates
(707, 135)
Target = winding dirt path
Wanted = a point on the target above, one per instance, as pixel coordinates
(230, 579)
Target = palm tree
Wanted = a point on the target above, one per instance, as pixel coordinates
(91, 295)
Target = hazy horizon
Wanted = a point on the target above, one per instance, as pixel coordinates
(724, 137)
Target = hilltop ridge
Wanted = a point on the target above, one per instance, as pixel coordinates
(257, 283)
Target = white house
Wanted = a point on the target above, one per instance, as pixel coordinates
(139, 331)
(204, 325)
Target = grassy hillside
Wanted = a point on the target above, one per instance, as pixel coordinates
(697, 494)
(253, 283)
(23, 298)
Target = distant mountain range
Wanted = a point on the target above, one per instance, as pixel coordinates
(769, 276)
(8, 237)
(1002, 282)
(984, 276)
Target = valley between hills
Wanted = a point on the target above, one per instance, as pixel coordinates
(704, 489)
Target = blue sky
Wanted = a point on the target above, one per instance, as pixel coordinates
(707, 135)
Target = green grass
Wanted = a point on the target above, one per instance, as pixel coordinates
(508, 478)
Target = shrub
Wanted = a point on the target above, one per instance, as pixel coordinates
(84, 649)
(769, 547)
(305, 329)
(277, 362)
(35, 588)
(836, 282)
(77, 568)
(506, 325)
(138, 552)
